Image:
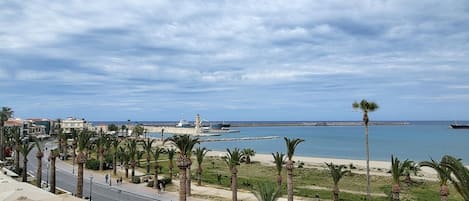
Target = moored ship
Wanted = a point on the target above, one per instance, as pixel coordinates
(459, 126)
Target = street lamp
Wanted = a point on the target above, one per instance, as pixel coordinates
(91, 186)
(162, 132)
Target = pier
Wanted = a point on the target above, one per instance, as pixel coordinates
(238, 139)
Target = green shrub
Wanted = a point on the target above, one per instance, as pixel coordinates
(136, 179)
(92, 164)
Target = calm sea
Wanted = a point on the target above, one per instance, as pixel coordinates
(417, 141)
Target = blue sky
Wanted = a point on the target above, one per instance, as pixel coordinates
(235, 60)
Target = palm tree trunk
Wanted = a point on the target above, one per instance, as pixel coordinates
(155, 180)
(114, 164)
(188, 181)
(132, 165)
(52, 175)
(17, 159)
(396, 189)
(289, 168)
(39, 171)
(148, 163)
(199, 175)
(2, 153)
(335, 193)
(368, 180)
(444, 192)
(182, 183)
(79, 192)
(171, 170)
(279, 180)
(234, 184)
(25, 168)
(126, 171)
(101, 161)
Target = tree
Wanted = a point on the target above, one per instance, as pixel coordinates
(62, 141)
(100, 145)
(39, 156)
(279, 160)
(52, 157)
(366, 107)
(83, 140)
(139, 156)
(171, 153)
(398, 169)
(184, 143)
(125, 157)
(25, 148)
(132, 152)
(147, 145)
(337, 172)
(156, 155)
(233, 159)
(112, 127)
(137, 130)
(5, 114)
(248, 153)
(200, 154)
(443, 175)
(460, 178)
(16, 137)
(115, 153)
(291, 146)
(267, 192)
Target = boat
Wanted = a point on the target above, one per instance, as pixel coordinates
(220, 126)
(459, 126)
(184, 124)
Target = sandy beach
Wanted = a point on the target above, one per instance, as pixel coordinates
(377, 167)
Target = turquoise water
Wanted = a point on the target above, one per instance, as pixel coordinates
(418, 141)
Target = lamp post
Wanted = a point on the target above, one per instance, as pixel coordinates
(145, 132)
(162, 132)
(91, 186)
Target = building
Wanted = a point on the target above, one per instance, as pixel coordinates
(45, 123)
(21, 124)
(71, 123)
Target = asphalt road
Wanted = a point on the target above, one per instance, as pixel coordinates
(66, 180)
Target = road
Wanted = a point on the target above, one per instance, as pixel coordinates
(101, 192)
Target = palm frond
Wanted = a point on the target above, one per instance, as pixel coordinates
(267, 192)
(291, 146)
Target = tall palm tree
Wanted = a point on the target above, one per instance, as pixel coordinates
(366, 107)
(156, 155)
(171, 153)
(39, 155)
(291, 146)
(25, 148)
(83, 141)
(398, 169)
(74, 135)
(279, 160)
(189, 174)
(52, 157)
(248, 153)
(337, 172)
(200, 154)
(132, 151)
(147, 147)
(62, 141)
(125, 157)
(233, 159)
(115, 153)
(139, 156)
(443, 175)
(5, 114)
(184, 143)
(267, 192)
(100, 148)
(460, 178)
(16, 137)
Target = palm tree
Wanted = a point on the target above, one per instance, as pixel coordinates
(15, 132)
(443, 175)
(74, 135)
(171, 153)
(200, 154)
(125, 157)
(100, 145)
(147, 147)
(62, 141)
(233, 159)
(132, 152)
(39, 156)
(139, 157)
(460, 178)
(156, 155)
(279, 160)
(398, 169)
(25, 148)
(248, 153)
(5, 114)
(291, 146)
(52, 156)
(115, 152)
(267, 192)
(184, 143)
(366, 107)
(83, 141)
(337, 172)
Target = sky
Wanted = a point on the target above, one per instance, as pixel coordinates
(235, 60)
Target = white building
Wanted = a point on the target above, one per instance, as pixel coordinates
(71, 123)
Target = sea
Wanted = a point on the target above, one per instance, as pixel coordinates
(417, 140)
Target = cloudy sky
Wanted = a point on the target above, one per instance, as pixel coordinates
(235, 60)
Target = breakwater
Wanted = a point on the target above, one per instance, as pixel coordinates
(239, 139)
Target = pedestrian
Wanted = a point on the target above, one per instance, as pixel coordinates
(164, 185)
(316, 197)
(117, 181)
(158, 188)
(120, 180)
(106, 177)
